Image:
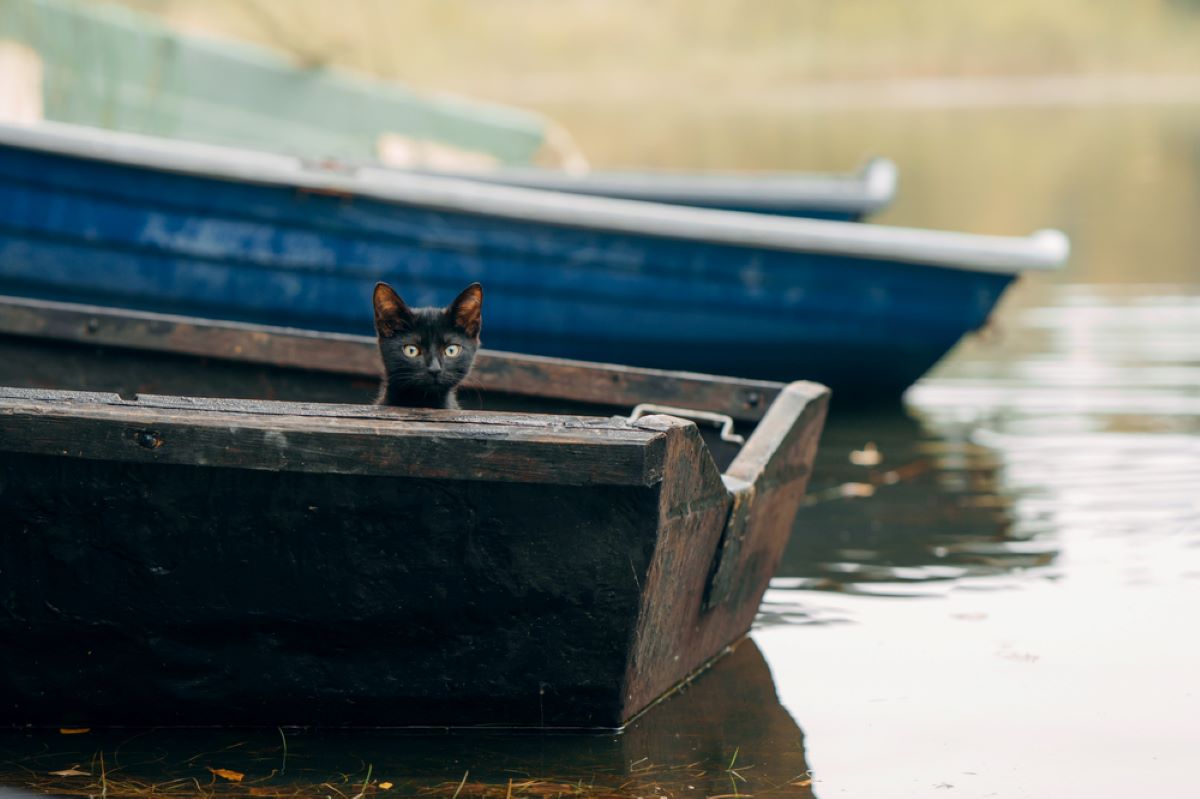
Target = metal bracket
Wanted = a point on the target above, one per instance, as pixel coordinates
(717, 419)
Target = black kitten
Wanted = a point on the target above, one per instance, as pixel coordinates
(426, 352)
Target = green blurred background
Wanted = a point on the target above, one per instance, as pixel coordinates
(1003, 117)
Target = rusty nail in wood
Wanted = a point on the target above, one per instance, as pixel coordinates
(148, 439)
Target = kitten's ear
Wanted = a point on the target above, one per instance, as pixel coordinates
(392, 316)
(467, 310)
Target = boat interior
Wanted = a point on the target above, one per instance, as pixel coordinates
(73, 347)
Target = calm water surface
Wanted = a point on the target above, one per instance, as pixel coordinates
(991, 593)
(1010, 591)
(1017, 579)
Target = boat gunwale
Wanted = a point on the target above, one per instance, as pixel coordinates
(1042, 250)
(358, 440)
(272, 435)
(418, 419)
(358, 356)
(44, 320)
(866, 190)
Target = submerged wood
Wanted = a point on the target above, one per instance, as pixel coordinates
(192, 560)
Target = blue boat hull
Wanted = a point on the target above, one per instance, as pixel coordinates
(107, 233)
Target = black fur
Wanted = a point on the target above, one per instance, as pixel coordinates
(427, 379)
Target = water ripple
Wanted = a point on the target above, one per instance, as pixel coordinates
(1067, 447)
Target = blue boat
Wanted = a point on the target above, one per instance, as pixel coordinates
(121, 219)
(112, 67)
(844, 197)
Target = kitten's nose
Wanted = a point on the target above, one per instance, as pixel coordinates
(435, 367)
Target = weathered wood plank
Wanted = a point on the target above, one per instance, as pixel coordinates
(274, 408)
(745, 400)
(769, 478)
(147, 594)
(715, 559)
(79, 366)
(357, 357)
(693, 507)
(362, 445)
(782, 445)
(235, 341)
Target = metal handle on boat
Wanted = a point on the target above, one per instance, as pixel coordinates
(718, 419)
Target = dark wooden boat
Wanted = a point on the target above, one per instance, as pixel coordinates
(171, 559)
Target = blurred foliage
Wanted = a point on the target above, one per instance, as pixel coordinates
(526, 50)
(714, 84)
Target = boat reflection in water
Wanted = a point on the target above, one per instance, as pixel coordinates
(904, 506)
(724, 734)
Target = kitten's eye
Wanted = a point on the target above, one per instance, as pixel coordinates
(453, 350)
(412, 350)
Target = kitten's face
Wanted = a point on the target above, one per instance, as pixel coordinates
(428, 349)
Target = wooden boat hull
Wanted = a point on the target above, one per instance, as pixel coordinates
(137, 222)
(184, 560)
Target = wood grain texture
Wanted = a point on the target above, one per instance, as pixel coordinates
(358, 357)
(363, 440)
(716, 556)
(159, 594)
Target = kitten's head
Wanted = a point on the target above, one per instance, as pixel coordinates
(428, 349)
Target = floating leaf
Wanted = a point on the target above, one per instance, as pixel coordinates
(74, 730)
(232, 776)
(71, 772)
(869, 455)
(387, 786)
